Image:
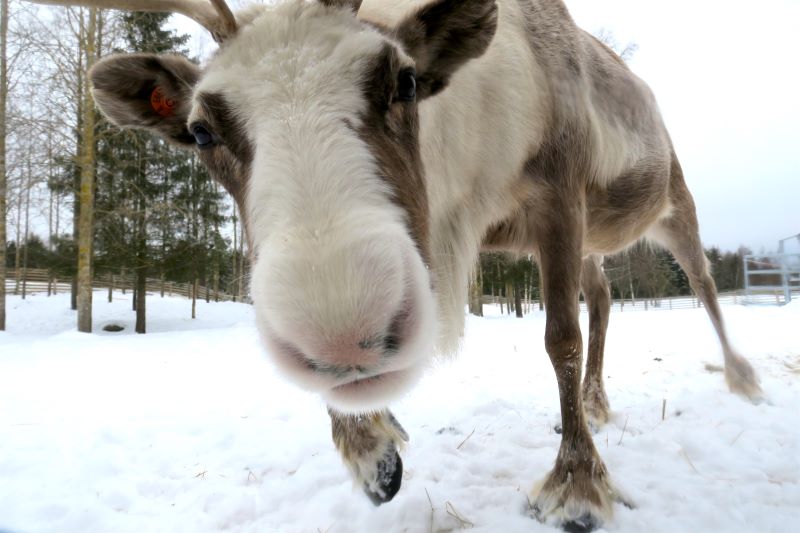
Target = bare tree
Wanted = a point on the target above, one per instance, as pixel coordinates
(87, 173)
(476, 291)
(3, 180)
(625, 52)
(26, 234)
(233, 290)
(59, 45)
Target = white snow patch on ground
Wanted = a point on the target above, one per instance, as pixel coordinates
(188, 429)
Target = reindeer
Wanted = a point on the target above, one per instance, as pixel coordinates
(374, 153)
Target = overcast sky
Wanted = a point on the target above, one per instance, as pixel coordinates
(726, 76)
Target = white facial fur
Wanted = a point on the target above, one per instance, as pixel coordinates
(331, 247)
(334, 262)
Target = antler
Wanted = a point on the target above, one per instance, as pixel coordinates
(215, 16)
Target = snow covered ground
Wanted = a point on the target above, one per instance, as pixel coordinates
(188, 429)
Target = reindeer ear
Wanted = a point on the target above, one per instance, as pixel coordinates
(354, 5)
(444, 35)
(147, 91)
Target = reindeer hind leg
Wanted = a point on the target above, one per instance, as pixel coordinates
(680, 235)
(594, 286)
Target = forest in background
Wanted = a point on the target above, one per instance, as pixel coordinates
(642, 272)
(108, 202)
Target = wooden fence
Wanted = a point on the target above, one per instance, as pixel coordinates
(648, 304)
(35, 280)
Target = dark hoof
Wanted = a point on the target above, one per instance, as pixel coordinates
(390, 476)
(585, 524)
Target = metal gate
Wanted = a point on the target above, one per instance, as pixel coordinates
(771, 278)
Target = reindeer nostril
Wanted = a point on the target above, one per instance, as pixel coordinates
(391, 344)
(388, 344)
(367, 344)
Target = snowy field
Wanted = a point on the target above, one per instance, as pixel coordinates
(187, 429)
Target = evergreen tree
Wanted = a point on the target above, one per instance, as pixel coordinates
(157, 206)
(510, 278)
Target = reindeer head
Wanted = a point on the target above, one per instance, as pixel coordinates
(309, 118)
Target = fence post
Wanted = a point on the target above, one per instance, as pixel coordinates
(787, 291)
(194, 298)
(746, 279)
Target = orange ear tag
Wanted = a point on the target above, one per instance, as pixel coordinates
(160, 103)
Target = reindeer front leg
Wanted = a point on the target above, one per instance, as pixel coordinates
(369, 445)
(577, 494)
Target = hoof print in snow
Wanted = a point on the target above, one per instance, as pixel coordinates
(558, 429)
(113, 328)
(390, 476)
(450, 430)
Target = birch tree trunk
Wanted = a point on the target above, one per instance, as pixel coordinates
(27, 230)
(86, 194)
(526, 306)
(18, 248)
(235, 253)
(3, 181)
(476, 292)
(242, 263)
(76, 181)
(215, 274)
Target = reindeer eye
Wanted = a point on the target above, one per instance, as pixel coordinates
(202, 136)
(406, 85)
